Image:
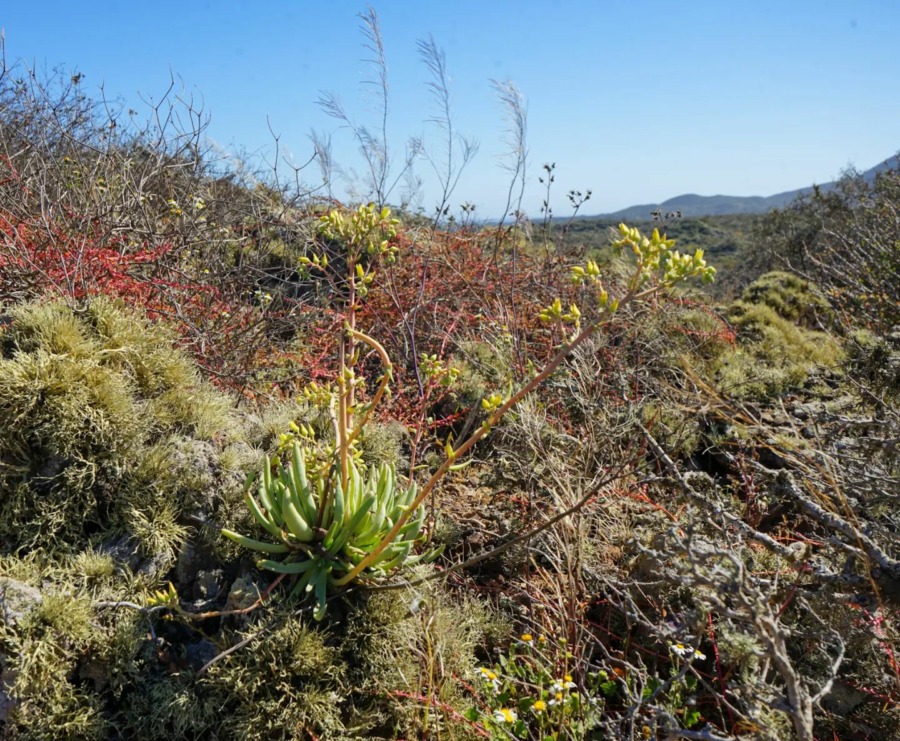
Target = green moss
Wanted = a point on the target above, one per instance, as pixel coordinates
(790, 297)
(90, 568)
(65, 662)
(274, 420)
(774, 354)
(169, 708)
(26, 568)
(67, 406)
(381, 443)
(61, 711)
(156, 529)
(141, 350)
(197, 410)
(353, 681)
(68, 617)
(52, 327)
(238, 457)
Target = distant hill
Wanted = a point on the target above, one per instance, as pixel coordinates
(691, 204)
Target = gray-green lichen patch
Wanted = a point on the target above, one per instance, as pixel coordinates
(98, 411)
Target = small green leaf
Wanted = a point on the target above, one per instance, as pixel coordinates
(691, 718)
(608, 688)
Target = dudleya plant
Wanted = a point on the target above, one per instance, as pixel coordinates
(324, 512)
(335, 524)
(321, 537)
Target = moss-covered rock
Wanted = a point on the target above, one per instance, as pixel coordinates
(776, 348)
(38, 658)
(93, 404)
(791, 297)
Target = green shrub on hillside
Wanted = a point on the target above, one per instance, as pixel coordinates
(846, 239)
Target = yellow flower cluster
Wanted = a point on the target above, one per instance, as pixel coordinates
(366, 228)
(164, 598)
(656, 253)
(555, 313)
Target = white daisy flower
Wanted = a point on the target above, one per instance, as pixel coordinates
(505, 715)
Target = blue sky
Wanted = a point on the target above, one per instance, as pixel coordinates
(638, 100)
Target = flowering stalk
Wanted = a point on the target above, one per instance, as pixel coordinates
(652, 254)
(382, 385)
(344, 523)
(474, 438)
